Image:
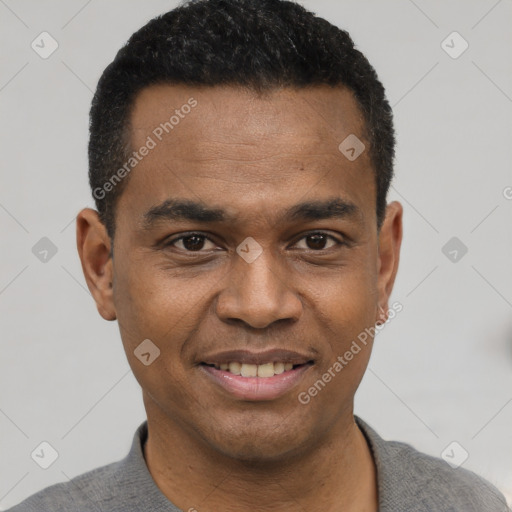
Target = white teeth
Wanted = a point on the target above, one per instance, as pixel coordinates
(235, 368)
(254, 370)
(266, 370)
(249, 370)
(278, 368)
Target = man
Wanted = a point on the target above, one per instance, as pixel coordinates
(240, 156)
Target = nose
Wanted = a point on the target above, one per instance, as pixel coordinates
(258, 295)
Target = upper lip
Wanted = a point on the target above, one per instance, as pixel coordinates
(249, 357)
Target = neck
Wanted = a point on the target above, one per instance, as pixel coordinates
(338, 473)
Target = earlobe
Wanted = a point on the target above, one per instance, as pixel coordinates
(94, 245)
(390, 240)
(382, 316)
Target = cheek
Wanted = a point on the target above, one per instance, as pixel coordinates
(350, 299)
(346, 310)
(151, 303)
(152, 322)
(351, 313)
(153, 306)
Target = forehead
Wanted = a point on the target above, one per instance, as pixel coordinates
(225, 144)
(318, 115)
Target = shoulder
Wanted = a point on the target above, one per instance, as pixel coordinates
(80, 494)
(109, 488)
(436, 482)
(411, 480)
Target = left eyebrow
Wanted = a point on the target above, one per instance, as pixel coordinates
(335, 208)
(192, 211)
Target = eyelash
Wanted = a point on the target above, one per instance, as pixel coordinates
(173, 241)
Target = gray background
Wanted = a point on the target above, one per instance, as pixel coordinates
(440, 371)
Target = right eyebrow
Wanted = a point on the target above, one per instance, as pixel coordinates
(183, 210)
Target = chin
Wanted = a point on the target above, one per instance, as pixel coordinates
(257, 452)
(261, 443)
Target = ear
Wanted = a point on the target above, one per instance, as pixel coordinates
(390, 240)
(94, 247)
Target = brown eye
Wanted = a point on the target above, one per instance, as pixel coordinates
(319, 241)
(191, 243)
(316, 241)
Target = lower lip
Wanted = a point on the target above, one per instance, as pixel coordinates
(257, 388)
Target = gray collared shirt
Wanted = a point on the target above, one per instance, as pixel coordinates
(408, 481)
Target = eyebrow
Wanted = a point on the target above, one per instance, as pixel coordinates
(188, 210)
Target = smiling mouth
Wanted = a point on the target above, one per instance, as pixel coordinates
(264, 370)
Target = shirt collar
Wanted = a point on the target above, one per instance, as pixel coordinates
(135, 478)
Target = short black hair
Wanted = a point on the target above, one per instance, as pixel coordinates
(262, 45)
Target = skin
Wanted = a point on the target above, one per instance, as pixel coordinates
(255, 157)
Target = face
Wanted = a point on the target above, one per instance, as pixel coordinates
(246, 241)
